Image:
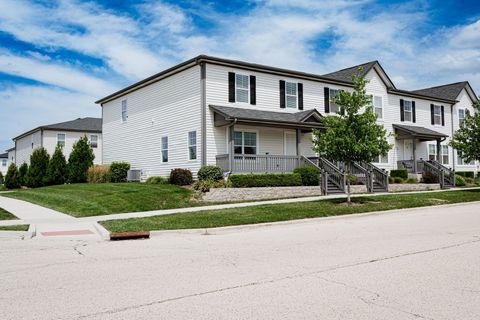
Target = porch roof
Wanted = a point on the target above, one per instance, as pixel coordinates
(418, 132)
(302, 119)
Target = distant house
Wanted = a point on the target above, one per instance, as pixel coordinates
(64, 134)
(4, 163)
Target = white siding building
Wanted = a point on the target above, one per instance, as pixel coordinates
(241, 116)
(4, 163)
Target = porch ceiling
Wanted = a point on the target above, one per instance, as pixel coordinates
(421, 133)
(303, 119)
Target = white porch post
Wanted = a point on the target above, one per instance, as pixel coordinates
(231, 150)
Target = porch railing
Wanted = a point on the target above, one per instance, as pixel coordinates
(446, 176)
(377, 175)
(330, 173)
(255, 163)
(409, 165)
(223, 162)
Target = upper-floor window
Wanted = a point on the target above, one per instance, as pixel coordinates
(378, 104)
(165, 149)
(407, 110)
(461, 116)
(245, 142)
(437, 114)
(334, 108)
(94, 141)
(61, 139)
(291, 94)
(124, 111)
(4, 162)
(445, 157)
(192, 145)
(241, 88)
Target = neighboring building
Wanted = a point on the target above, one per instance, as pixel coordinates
(4, 163)
(253, 118)
(11, 155)
(64, 134)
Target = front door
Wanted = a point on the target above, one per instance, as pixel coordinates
(290, 145)
(408, 150)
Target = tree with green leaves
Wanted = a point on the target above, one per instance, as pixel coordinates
(80, 159)
(38, 168)
(11, 178)
(353, 134)
(22, 173)
(57, 168)
(466, 140)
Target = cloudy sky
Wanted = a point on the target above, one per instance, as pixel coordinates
(58, 57)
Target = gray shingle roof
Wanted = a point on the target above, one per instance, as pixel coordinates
(447, 91)
(3, 155)
(346, 74)
(419, 131)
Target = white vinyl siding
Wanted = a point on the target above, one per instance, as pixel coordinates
(124, 111)
(407, 110)
(381, 159)
(192, 145)
(241, 88)
(164, 149)
(291, 93)
(61, 137)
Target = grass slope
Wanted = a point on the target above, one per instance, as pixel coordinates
(82, 200)
(5, 215)
(290, 211)
(21, 227)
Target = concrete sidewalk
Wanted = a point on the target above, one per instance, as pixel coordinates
(30, 212)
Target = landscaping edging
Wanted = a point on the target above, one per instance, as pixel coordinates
(245, 194)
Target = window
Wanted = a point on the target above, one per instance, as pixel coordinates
(437, 115)
(4, 163)
(460, 160)
(291, 94)
(432, 151)
(124, 111)
(407, 110)
(334, 108)
(94, 141)
(445, 158)
(461, 116)
(60, 139)
(164, 149)
(378, 104)
(381, 159)
(241, 88)
(192, 145)
(245, 142)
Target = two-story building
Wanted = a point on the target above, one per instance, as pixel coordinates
(247, 117)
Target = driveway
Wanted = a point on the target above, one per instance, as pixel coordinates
(417, 264)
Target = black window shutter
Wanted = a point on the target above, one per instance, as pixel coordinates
(282, 94)
(231, 87)
(402, 114)
(326, 94)
(300, 96)
(432, 113)
(253, 90)
(443, 115)
(414, 114)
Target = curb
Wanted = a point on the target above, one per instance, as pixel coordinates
(104, 233)
(32, 231)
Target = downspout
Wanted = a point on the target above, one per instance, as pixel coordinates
(451, 137)
(231, 128)
(203, 113)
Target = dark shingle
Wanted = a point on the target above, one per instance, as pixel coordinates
(419, 131)
(447, 91)
(3, 155)
(346, 74)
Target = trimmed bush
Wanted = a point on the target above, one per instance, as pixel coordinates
(265, 180)
(57, 168)
(470, 181)
(310, 175)
(98, 174)
(466, 174)
(181, 177)
(80, 159)
(210, 173)
(11, 178)
(22, 173)
(37, 171)
(459, 181)
(402, 173)
(398, 180)
(353, 180)
(157, 180)
(412, 180)
(118, 171)
(428, 177)
(205, 185)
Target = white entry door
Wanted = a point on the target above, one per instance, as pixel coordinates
(408, 150)
(290, 144)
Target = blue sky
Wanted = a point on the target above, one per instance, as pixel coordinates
(58, 57)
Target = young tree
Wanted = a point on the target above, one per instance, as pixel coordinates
(81, 158)
(1, 178)
(38, 168)
(352, 135)
(57, 168)
(466, 140)
(11, 178)
(22, 173)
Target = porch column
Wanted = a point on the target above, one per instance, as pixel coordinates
(439, 151)
(230, 148)
(414, 151)
(297, 137)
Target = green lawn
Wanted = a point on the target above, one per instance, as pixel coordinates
(290, 211)
(5, 215)
(21, 227)
(82, 200)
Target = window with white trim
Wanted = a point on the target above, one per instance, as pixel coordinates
(94, 141)
(241, 88)
(61, 139)
(245, 142)
(192, 145)
(4, 162)
(432, 151)
(165, 149)
(381, 159)
(291, 94)
(378, 104)
(445, 157)
(437, 114)
(334, 108)
(407, 110)
(124, 111)
(461, 116)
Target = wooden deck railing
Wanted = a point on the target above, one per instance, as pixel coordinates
(255, 163)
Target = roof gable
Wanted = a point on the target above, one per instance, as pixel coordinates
(345, 75)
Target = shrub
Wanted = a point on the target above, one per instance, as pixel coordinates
(353, 180)
(459, 181)
(57, 168)
(390, 180)
(157, 180)
(429, 177)
(466, 174)
(310, 175)
(412, 180)
(402, 173)
(38, 168)
(469, 181)
(205, 185)
(11, 178)
(398, 180)
(181, 177)
(98, 174)
(265, 180)
(80, 159)
(210, 173)
(118, 171)
(22, 173)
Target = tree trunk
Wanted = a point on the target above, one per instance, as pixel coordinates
(348, 184)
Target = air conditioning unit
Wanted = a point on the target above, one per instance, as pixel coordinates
(134, 175)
